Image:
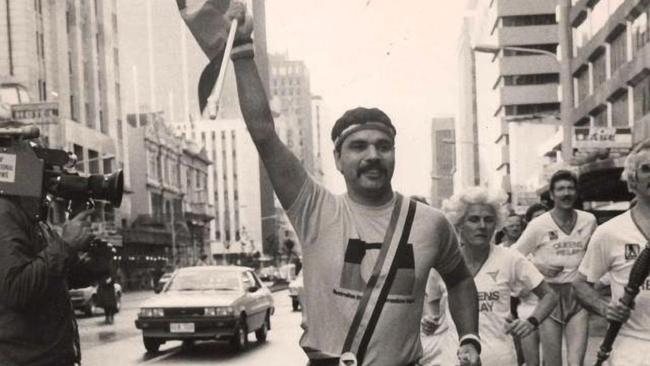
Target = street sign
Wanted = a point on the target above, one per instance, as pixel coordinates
(602, 138)
(43, 113)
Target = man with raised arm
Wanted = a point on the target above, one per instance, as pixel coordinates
(366, 253)
(612, 251)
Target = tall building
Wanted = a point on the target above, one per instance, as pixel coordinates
(160, 25)
(290, 84)
(611, 93)
(233, 186)
(443, 161)
(65, 56)
(509, 96)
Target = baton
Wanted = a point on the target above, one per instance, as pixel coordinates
(638, 273)
(213, 99)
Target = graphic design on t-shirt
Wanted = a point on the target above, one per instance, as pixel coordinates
(632, 251)
(552, 235)
(493, 275)
(352, 283)
(486, 300)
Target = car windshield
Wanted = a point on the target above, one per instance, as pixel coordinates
(205, 280)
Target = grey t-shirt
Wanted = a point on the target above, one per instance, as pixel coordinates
(341, 241)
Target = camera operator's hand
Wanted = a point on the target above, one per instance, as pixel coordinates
(76, 232)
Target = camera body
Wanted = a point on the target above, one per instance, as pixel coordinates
(32, 172)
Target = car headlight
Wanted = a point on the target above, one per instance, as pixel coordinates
(152, 312)
(218, 311)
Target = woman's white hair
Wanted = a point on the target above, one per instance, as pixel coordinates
(455, 208)
(629, 174)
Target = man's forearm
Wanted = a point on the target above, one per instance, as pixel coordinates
(285, 170)
(588, 297)
(253, 101)
(463, 306)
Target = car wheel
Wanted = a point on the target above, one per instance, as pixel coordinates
(239, 340)
(263, 332)
(188, 344)
(295, 303)
(91, 308)
(118, 302)
(152, 345)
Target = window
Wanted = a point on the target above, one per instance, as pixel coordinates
(618, 51)
(582, 84)
(599, 71)
(600, 118)
(528, 20)
(531, 79)
(642, 98)
(581, 35)
(525, 109)
(620, 111)
(79, 152)
(551, 47)
(639, 31)
(93, 162)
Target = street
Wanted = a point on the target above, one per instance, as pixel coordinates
(121, 343)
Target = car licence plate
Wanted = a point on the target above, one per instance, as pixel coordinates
(181, 327)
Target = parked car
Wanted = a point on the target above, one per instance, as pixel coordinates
(295, 291)
(208, 303)
(162, 281)
(85, 299)
(269, 275)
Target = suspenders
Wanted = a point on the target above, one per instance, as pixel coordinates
(378, 286)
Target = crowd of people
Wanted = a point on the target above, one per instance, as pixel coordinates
(379, 268)
(556, 258)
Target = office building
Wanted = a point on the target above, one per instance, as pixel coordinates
(509, 98)
(443, 159)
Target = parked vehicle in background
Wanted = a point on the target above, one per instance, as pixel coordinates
(295, 291)
(85, 299)
(207, 303)
(269, 275)
(162, 281)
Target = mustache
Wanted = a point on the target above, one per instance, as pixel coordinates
(371, 166)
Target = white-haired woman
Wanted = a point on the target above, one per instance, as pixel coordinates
(498, 273)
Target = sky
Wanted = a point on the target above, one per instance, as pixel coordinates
(399, 56)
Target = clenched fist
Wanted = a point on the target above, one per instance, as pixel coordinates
(237, 10)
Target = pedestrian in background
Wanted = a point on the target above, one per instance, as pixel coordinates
(499, 272)
(352, 239)
(512, 229)
(107, 298)
(557, 241)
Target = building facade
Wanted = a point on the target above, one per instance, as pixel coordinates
(443, 159)
(611, 93)
(170, 209)
(232, 186)
(289, 83)
(509, 93)
(59, 67)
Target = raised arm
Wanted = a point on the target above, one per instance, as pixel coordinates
(285, 170)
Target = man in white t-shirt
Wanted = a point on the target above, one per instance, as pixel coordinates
(612, 251)
(342, 236)
(556, 241)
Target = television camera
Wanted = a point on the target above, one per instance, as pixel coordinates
(34, 174)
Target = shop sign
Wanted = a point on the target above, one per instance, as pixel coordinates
(602, 138)
(43, 113)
